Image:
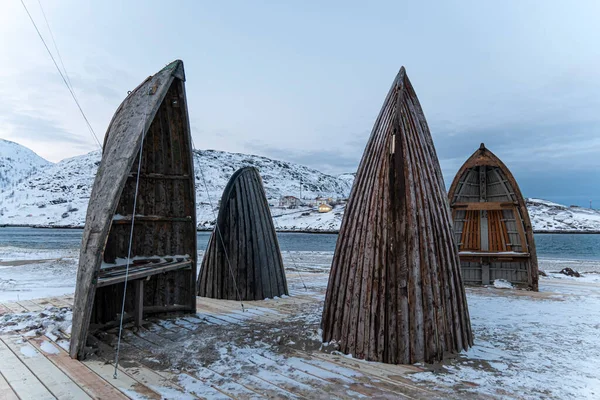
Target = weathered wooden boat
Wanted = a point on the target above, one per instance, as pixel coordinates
(243, 260)
(491, 223)
(148, 152)
(395, 293)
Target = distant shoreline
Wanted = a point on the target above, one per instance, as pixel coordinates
(317, 231)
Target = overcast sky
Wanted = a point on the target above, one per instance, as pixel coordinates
(304, 81)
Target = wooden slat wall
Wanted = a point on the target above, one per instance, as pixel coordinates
(249, 243)
(395, 293)
(471, 235)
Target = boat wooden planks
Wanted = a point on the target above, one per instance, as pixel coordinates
(395, 292)
(243, 260)
(151, 123)
(491, 223)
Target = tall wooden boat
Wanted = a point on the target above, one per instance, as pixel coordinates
(491, 223)
(395, 293)
(162, 267)
(243, 260)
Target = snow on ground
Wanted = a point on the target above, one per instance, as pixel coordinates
(502, 284)
(529, 348)
(527, 345)
(583, 266)
(53, 322)
(30, 274)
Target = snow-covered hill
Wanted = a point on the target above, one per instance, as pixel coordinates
(552, 217)
(37, 192)
(280, 178)
(16, 164)
(57, 195)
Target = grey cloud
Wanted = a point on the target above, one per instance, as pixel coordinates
(44, 130)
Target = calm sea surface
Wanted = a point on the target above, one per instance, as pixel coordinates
(561, 246)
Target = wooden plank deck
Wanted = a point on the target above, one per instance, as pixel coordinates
(39, 368)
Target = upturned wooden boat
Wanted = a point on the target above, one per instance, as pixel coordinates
(491, 223)
(395, 293)
(243, 260)
(162, 264)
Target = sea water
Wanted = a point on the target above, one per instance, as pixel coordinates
(554, 246)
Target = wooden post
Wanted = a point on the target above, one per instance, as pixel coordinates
(485, 273)
(138, 285)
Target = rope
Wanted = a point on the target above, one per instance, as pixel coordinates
(137, 185)
(220, 235)
(293, 259)
(62, 76)
(55, 45)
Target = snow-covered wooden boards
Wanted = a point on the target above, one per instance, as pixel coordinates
(243, 260)
(37, 368)
(395, 293)
(491, 223)
(147, 155)
(269, 367)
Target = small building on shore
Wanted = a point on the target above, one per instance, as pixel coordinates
(325, 208)
(289, 202)
(323, 200)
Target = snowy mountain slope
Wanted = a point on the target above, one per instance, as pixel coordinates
(548, 216)
(280, 178)
(16, 164)
(57, 194)
(348, 177)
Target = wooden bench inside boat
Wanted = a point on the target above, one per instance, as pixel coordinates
(498, 254)
(139, 271)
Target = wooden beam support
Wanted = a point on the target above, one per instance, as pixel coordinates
(488, 206)
(482, 183)
(138, 315)
(159, 176)
(485, 274)
(152, 269)
(495, 254)
(126, 219)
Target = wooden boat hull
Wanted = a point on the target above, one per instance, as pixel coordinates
(395, 293)
(243, 260)
(153, 120)
(491, 223)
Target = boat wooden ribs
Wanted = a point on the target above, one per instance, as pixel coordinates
(151, 124)
(491, 223)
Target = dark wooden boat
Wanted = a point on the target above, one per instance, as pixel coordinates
(395, 293)
(162, 264)
(243, 260)
(491, 223)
